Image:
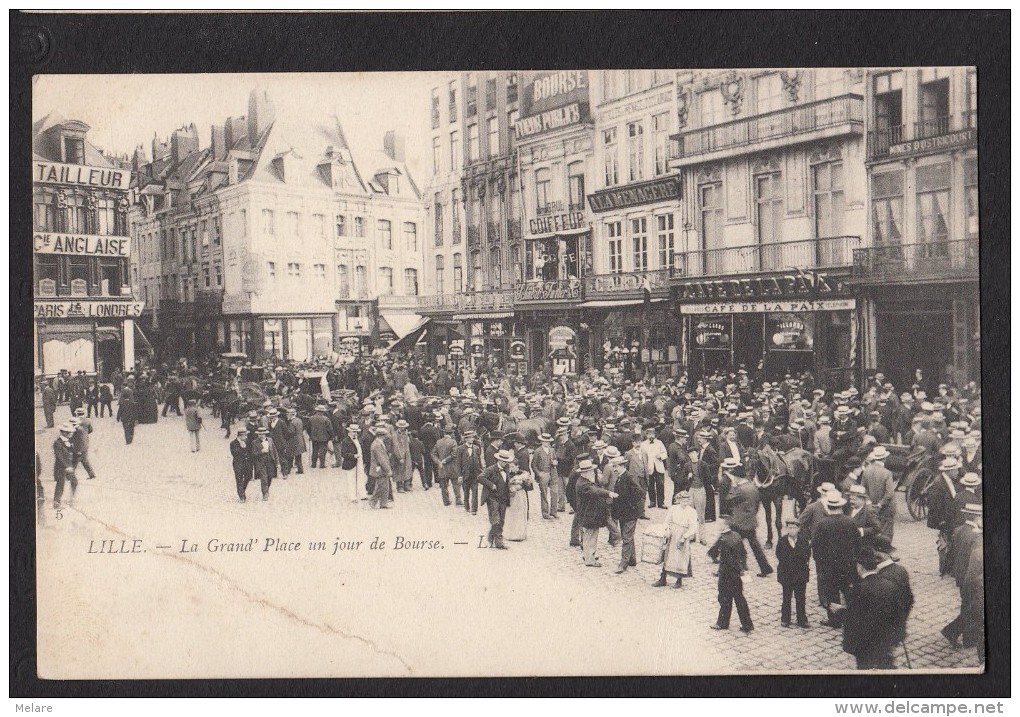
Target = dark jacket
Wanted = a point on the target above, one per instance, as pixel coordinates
(835, 545)
(127, 411)
(730, 552)
(866, 521)
(495, 485)
(63, 460)
(898, 575)
(320, 428)
(872, 619)
(793, 568)
(743, 501)
(468, 466)
(631, 501)
(348, 453)
(592, 511)
(241, 458)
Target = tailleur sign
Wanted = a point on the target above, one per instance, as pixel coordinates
(550, 100)
(82, 175)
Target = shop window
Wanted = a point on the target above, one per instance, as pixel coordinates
(665, 236)
(611, 157)
(410, 282)
(575, 186)
(827, 181)
(970, 188)
(543, 259)
(343, 281)
(614, 234)
(440, 288)
(887, 208)
(322, 336)
(272, 331)
(639, 241)
(933, 203)
(299, 339)
(636, 150)
(385, 229)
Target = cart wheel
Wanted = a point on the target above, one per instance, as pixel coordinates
(917, 492)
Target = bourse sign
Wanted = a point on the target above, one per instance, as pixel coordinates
(550, 100)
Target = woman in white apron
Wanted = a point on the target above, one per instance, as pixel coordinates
(515, 523)
(682, 529)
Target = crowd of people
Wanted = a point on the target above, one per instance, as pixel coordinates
(603, 452)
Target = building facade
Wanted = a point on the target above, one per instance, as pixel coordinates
(83, 302)
(918, 276)
(273, 242)
(774, 200)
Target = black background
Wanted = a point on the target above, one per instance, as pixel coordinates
(166, 43)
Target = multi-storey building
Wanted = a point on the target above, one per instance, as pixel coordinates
(637, 219)
(272, 242)
(473, 206)
(774, 198)
(84, 308)
(918, 276)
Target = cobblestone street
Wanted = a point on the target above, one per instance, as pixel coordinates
(349, 614)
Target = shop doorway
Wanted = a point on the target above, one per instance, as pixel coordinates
(748, 341)
(779, 364)
(914, 338)
(110, 355)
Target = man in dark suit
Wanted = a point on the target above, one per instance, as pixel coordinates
(244, 470)
(63, 464)
(279, 431)
(729, 552)
(793, 551)
(320, 432)
(871, 621)
(892, 571)
(470, 463)
(495, 481)
(127, 414)
(961, 549)
(708, 471)
(444, 458)
(744, 502)
(835, 544)
(626, 508)
(862, 513)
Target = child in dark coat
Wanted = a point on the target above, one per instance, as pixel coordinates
(793, 553)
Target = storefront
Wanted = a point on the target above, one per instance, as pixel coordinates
(640, 339)
(85, 335)
(489, 342)
(281, 338)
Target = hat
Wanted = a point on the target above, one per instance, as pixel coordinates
(504, 456)
(843, 411)
(79, 411)
(853, 462)
(272, 412)
(972, 508)
(402, 423)
(599, 445)
(858, 490)
(262, 429)
(514, 438)
(585, 465)
(824, 420)
(793, 520)
(469, 433)
(468, 411)
(949, 463)
(731, 464)
(562, 430)
(545, 438)
(291, 410)
(448, 429)
(833, 499)
(74, 421)
(322, 408)
(880, 453)
(66, 428)
(927, 406)
(242, 431)
(353, 427)
(970, 442)
(253, 414)
(825, 488)
(970, 480)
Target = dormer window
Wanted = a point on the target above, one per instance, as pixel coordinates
(74, 150)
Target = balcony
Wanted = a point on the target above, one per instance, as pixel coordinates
(815, 120)
(828, 252)
(879, 141)
(936, 134)
(485, 302)
(913, 263)
(438, 303)
(627, 285)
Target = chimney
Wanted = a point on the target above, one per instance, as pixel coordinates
(393, 145)
(219, 142)
(234, 129)
(183, 142)
(260, 114)
(138, 159)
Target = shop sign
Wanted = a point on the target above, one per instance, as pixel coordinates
(552, 223)
(88, 309)
(517, 350)
(349, 346)
(557, 290)
(711, 335)
(757, 307)
(553, 119)
(808, 283)
(560, 337)
(789, 332)
(81, 174)
(81, 244)
(656, 190)
(951, 140)
(544, 91)
(456, 348)
(636, 106)
(477, 349)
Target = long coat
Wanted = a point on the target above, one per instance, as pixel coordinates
(592, 511)
(296, 437)
(631, 501)
(743, 502)
(793, 568)
(401, 457)
(682, 528)
(871, 624)
(241, 459)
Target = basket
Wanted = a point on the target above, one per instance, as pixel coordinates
(653, 548)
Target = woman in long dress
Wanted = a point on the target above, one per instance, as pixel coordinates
(515, 523)
(682, 529)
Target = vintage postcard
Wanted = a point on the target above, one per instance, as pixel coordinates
(507, 373)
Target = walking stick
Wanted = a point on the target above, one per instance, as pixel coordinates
(906, 654)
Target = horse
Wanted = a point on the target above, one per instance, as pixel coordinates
(782, 475)
(531, 428)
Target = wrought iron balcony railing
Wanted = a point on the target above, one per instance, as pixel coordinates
(779, 124)
(925, 261)
(827, 252)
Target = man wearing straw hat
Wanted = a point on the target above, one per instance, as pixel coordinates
(835, 545)
(495, 482)
(871, 624)
(63, 464)
(880, 485)
(592, 512)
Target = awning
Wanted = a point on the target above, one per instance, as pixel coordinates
(107, 333)
(408, 342)
(613, 303)
(142, 340)
(403, 324)
(480, 317)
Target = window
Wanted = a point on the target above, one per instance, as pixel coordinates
(439, 274)
(319, 225)
(271, 271)
(887, 207)
(493, 125)
(888, 89)
(272, 332)
(435, 108)
(343, 281)
(490, 94)
(933, 203)
(473, 151)
(385, 229)
(543, 187)
(294, 224)
(515, 263)
(636, 150)
(970, 190)
(614, 233)
(451, 92)
(341, 225)
(268, 222)
(410, 282)
(768, 93)
(411, 236)
(471, 98)
(110, 279)
(206, 276)
(320, 271)
(219, 275)
(511, 132)
(477, 278)
(105, 219)
(664, 232)
(361, 281)
(713, 110)
(612, 162)
(294, 270)
(455, 214)
(244, 222)
(437, 151)
(385, 281)
(496, 266)
(217, 230)
(827, 182)
(458, 274)
(74, 150)
(830, 82)
(611, 85)
(934, 103)
(511, 88)
(437, 211)
(455, 161)
(660, 135)
(971, 113)
(45, 213)
(768, 197)
(359, 226)
(575, 186)
(639, 240)
(634, 81)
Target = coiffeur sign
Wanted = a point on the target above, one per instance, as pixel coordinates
(81, 244)
(88, 309)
